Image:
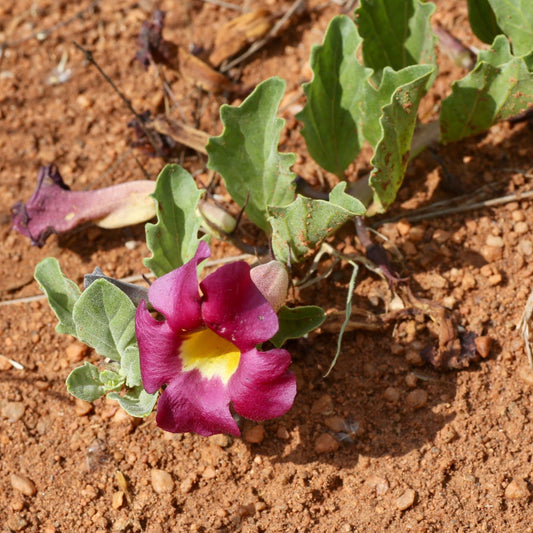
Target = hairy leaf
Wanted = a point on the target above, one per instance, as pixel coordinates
(396, 33)
(483, 20)
(173, 240)
(105, 319)
(515, 18)
(246, 154)
(89, 383)
(331, 113)
(499, 87)
(299, 228)
(136, 401)
(397, 126)
(62, 293)
(296, 322)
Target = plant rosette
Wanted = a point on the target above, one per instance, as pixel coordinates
(205, 350)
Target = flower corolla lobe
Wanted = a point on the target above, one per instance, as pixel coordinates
(205, 352)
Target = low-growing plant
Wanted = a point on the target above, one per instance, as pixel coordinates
(201, 342)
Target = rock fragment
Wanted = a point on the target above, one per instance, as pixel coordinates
(406, 500)
(326, 443)
(517, 489)
(255, 435)
(23, 484)
(162, 481)
(417, 398)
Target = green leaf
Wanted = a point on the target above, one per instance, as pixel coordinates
(296, 322)
(499, 87)
(397, 126)
(105, 319)
(246, 154)
(136, 401)
(396, 34)
(331, 113)
(88, 383)
(299, 228)
(483, 20)
(515, 18)
(349, 297)
(173, 240)
(61, 292)
(130, 366)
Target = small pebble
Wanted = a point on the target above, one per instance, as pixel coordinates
(23, 484)
(406, 500)
(417, 398)
(4, 363)
(517, 489)
(282, 433)
(255, 434)
(521, 228)
(76, 351)
(13, 411)
(495, 279)
(491, 253)
(441, 236)
(82, 407)
(117, 500)
(335, 423)
(495, 240)
(525, 247)
(161, 481)
(416, 233)
(323, 406)
(379, 484)
(411, 380)
(526, 374)
(483, 345)
(413, 357)
(209, 473)
(326, 443)
(392, 394)
(221, 440)
(187, 484)
(404, 227)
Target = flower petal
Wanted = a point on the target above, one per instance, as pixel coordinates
(234, 307)
(262, 387)
(176, 294)
(158, 350)
(193, 404)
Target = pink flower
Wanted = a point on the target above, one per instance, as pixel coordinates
(205, 352)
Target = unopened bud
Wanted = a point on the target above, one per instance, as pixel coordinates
(272, 281)
(219, 218)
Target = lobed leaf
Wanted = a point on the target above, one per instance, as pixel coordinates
(105, 319)
(299, 228)
(396, 34)
(500, 86)
(173, 240)
(296, 322)
(62, 293)
(397, 124)
(246, 154)
(331, 113)
(515, 18)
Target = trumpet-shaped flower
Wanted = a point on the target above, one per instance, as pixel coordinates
(205, 352)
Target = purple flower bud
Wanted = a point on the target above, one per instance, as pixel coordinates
(272, 281)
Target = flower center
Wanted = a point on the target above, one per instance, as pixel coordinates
(211, 354)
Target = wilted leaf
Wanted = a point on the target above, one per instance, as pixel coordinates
(397, 126)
